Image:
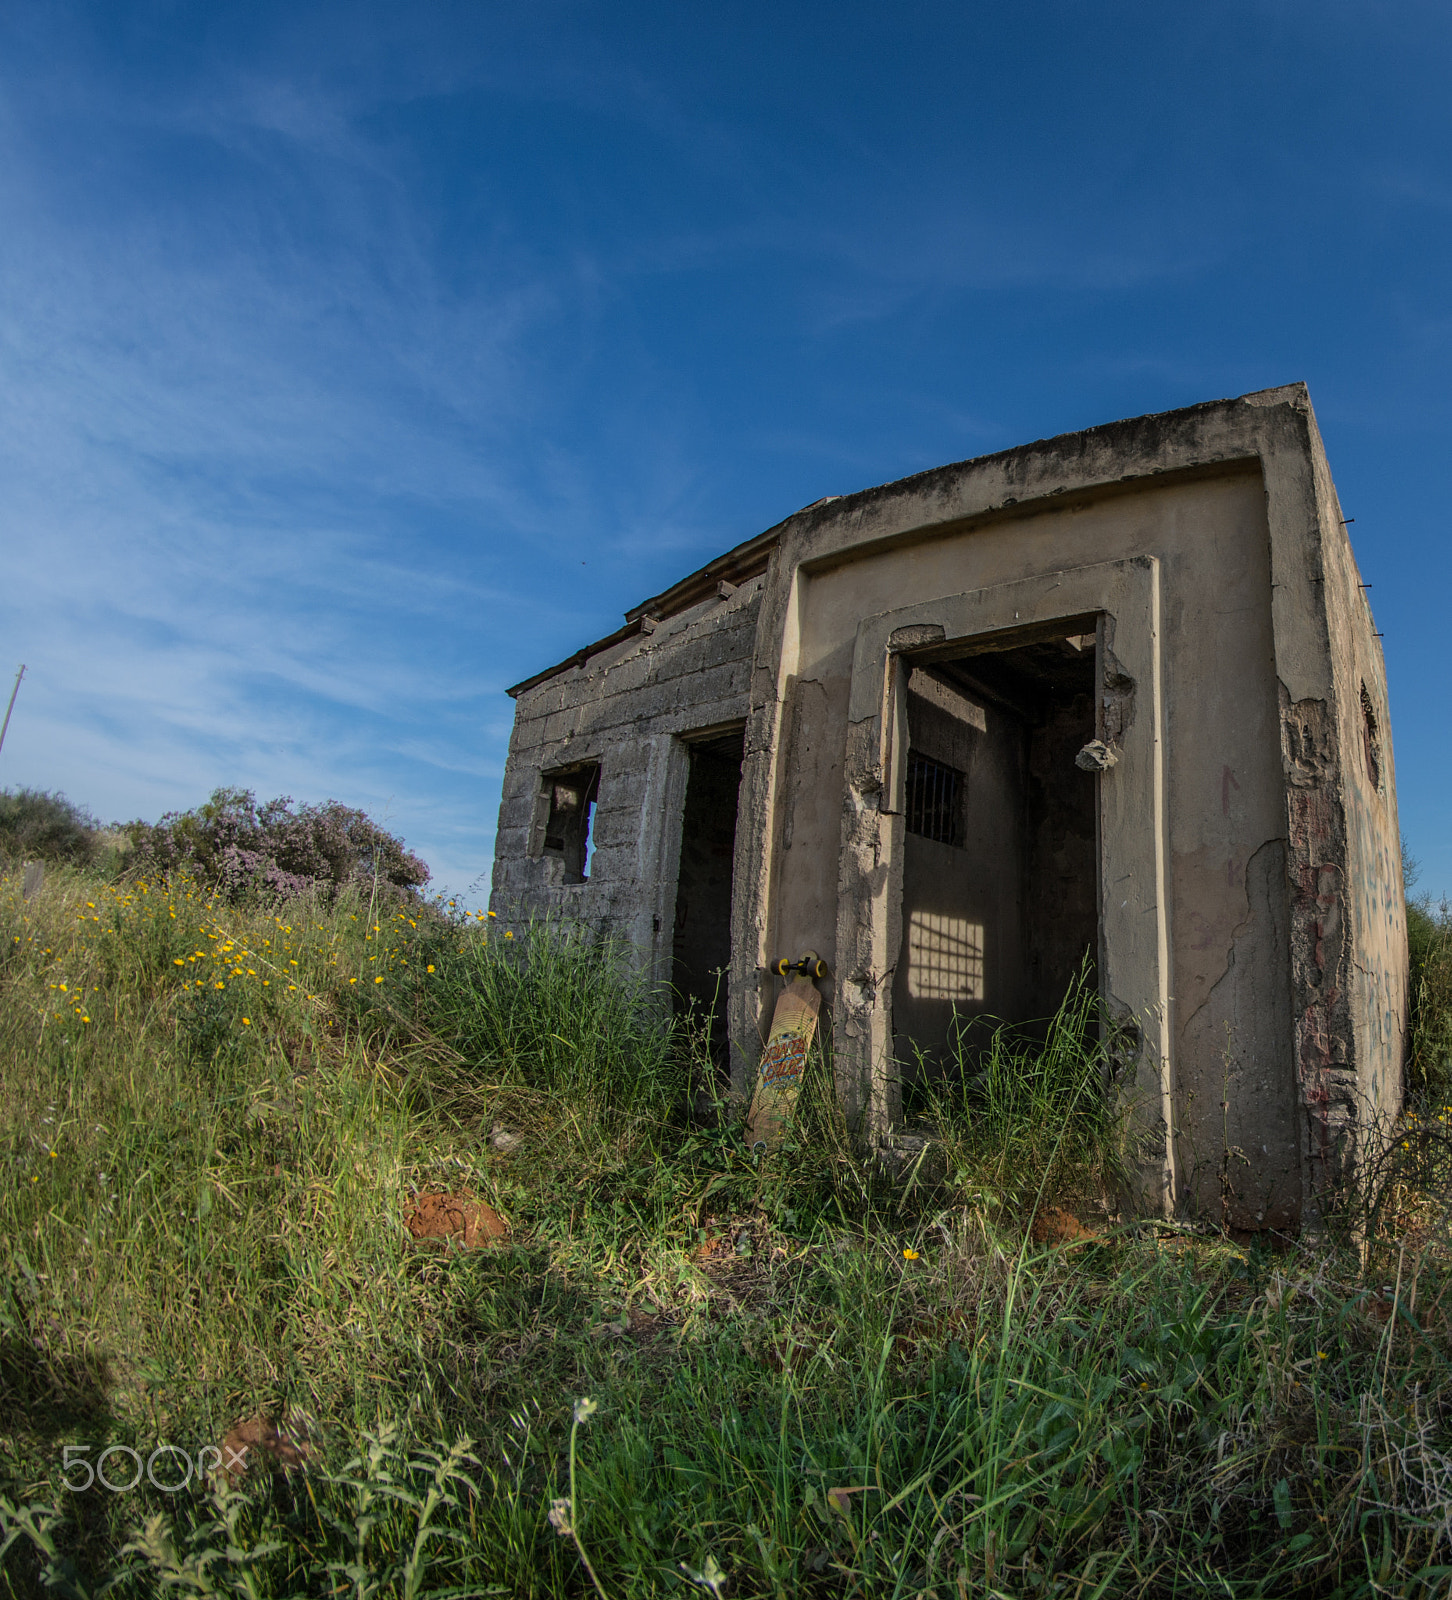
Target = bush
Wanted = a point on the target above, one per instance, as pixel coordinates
(234, 846)
(1429, 936)
(39, 826)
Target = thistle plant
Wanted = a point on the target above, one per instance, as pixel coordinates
(563, 1516)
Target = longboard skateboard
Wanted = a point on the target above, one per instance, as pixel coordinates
(793, 1026)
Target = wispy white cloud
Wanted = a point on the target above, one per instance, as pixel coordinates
(226, 458)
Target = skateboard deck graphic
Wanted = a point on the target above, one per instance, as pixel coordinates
(793, 1026)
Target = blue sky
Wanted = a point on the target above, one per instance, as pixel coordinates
(357, 361)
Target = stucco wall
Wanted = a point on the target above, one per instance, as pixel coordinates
(1223, 776)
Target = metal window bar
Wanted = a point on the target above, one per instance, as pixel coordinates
(933, 795)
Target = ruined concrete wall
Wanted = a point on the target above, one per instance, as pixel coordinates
(625, 709)
(1369, 899)
(1259, 921)
(1347, 911)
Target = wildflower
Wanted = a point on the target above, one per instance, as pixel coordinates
(909, 1254)
(431, 966)
(493, 913)
(178, 962)
(247, 1022)
(508, 934)
(379, 978)
(54, 1154)
(585, 1409)
(352, 980)
(559, 1512)
(1321, 1355)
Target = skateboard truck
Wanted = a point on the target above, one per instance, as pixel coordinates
(805, 966)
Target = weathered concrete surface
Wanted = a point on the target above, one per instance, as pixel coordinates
(1246, 864)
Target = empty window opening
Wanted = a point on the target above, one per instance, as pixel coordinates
(572, 795)
(934, 799)
(1000, 852)
(701, 937)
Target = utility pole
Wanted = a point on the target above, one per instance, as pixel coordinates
(8, 709)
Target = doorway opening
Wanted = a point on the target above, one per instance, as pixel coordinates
(701, 941)
(1000, 898)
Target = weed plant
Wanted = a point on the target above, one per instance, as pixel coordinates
(1429, 931)
(699, 1372)
(1032, 1112)
(39, 826)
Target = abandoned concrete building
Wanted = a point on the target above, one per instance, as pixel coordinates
(1117, 694)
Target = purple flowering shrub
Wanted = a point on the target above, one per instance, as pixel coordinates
(238, 847)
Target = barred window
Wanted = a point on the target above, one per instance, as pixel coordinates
(934, 796)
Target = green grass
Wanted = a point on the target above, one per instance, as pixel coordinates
(1429, 930)
(808, 1379)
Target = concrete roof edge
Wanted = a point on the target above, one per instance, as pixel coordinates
(751, 556)
(1295, 395)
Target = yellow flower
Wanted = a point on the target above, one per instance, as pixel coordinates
(508, 934)
(178, 962)
(1321, 1355)
(378, 979)
(247, 1022)
(493, 913)
(431, 967)
(352, 980)
(910, 1254)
